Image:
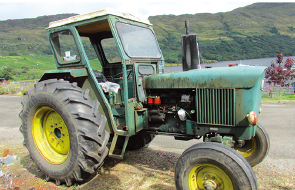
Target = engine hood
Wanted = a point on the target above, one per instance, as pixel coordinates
(221, 77)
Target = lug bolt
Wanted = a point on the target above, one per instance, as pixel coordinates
(60, 127)
(53, 139)
(213, 177)
(51, 125)
(57, 142)
(62, 141)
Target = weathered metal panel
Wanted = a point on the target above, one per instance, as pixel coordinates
(248, 100)
(141, 119)
(72, 72)
(220, 78)
(93, 15)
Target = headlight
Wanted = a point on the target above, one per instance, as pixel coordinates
(252, 118)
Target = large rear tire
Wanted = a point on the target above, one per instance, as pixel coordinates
(63, 131)
(255, 149)
(213, 166)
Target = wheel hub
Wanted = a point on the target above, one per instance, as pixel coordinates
(50, 135)
(210, 185)
(248, 148)
(56, 132)
(210, 177)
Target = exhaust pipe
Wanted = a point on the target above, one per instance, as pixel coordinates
(190, 50)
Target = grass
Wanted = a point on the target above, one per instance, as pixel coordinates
(29, 67)
(276, 97)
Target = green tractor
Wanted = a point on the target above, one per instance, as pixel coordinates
(75, 117)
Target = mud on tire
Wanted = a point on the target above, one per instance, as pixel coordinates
(63, 131)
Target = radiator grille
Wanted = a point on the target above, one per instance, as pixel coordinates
(215, 106)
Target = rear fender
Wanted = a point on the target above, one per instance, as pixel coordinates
(86, 80)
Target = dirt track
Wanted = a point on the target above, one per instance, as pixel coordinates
(153, 167)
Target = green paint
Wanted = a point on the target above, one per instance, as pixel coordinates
(222, 77)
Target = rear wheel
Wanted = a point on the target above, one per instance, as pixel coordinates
(255, 149)
(213, 166)
(63, 131)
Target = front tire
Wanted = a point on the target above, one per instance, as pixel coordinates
(255, 149)
(213, 166)
(63, 131)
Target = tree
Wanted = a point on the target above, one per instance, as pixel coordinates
(6, 73)
(274, 30)
(25, 69)
(280, 75)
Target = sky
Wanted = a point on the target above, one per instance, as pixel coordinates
(18, 9)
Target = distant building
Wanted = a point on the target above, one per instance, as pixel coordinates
(3, 81)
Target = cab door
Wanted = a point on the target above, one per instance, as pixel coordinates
(141, 70)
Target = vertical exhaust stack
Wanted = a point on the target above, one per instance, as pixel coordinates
(190, 50)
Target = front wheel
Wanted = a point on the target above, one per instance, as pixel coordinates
(63, 131)
(255, 149)
(213, 166)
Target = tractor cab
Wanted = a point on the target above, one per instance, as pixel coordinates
(122, 46)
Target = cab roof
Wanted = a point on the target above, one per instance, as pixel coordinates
(95, 14)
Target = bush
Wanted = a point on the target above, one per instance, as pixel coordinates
(3, 90)
(280, 75)
(13, 54)
(10, 89)
(14, 88)
(25, 89)
(6, 73)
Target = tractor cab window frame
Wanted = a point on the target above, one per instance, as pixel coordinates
(146, 69)
(65, 47)
(137, 41)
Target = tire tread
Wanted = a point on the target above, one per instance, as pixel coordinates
(92, 138)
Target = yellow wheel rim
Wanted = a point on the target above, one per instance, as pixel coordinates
(50, 135)
(204, 176)
(248, 149)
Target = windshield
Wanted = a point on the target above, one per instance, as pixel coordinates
(138, 41)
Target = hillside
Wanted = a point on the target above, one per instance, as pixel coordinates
(26, 36)
(255, 31)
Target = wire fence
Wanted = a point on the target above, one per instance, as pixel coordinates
(277, 89)
(22, 84)
(16, 87)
